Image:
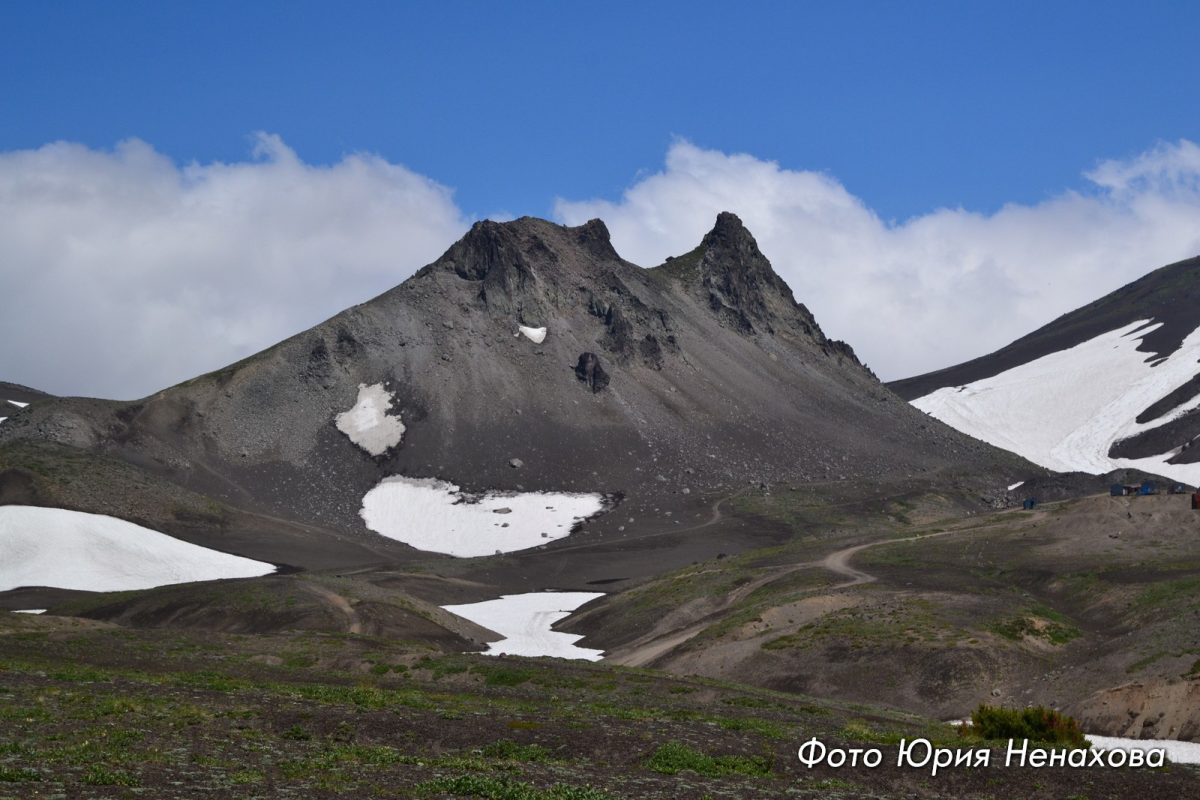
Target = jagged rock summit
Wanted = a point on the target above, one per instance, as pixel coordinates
(526, 340)
(740, 284)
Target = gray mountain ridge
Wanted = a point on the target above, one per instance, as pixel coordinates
(714, 377)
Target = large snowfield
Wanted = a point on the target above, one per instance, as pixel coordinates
(434, 515)
(1065, 410)
(524, 620)
(90, 552)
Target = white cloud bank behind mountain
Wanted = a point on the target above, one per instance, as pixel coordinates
(121, 272)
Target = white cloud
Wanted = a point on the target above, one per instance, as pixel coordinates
(933, 290)
(123, 273)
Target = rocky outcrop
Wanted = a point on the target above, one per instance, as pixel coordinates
(590, 371)
(741, 286)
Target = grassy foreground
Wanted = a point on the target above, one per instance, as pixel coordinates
(89, 710)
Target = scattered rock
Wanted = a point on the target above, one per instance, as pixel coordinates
(516, 463)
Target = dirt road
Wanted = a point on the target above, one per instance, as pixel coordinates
(643, 651)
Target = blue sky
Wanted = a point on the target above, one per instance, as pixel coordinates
(182, 184)
(912, 106)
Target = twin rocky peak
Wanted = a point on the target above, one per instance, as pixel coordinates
(533, 270)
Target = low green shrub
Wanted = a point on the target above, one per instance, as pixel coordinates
(1037, 723)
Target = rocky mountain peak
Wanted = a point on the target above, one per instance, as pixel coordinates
(524, 263)
(742, 286)
(593, 235)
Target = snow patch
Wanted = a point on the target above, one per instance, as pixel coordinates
(95, 553)
(1065, 410)
(1016, 485)
(437, 516)
(29, 611)
(1177, 751)
(525, 621)
(535, 335)
(18, 404)
(3, 418)
(368, 424)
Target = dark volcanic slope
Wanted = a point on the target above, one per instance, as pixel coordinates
(1169, 296)
(22, 394)
(703, 373)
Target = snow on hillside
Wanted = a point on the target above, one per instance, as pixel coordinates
(91, 552)
(535, 335)
(435, 515)
(1065, 410)
(17, 403)
(368, 424)
(1178, 752)
(524, 620)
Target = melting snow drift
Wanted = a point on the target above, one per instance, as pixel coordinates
(1178, 752)
(1065, 410)
(18, 404)
(524, 621)
(91, 552)
(368, 424)
(1175, 750)
(435, 515)
(30, 611)
(535, 335)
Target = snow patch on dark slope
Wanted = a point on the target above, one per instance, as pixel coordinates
(1115, 384)
(1169, 296)
(1068, 410)
(14, 397)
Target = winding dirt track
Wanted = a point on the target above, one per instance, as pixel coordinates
(643, 651)
(715, 516)
(341, 604)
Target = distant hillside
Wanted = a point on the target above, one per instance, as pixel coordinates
(1113, 384)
